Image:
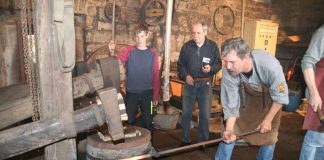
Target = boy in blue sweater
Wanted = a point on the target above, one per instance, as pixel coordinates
(142, 77)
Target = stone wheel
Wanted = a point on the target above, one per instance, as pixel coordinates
(134, 146)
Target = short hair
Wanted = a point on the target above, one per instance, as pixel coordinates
(141, 28)
(239, 45)
(203, 24)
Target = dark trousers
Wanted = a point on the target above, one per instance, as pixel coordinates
(142, 101)
(201, 92)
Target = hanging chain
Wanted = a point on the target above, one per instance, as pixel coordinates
(30, 52)
(37, 89)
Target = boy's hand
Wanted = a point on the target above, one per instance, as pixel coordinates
(111, 45)
(154, 107)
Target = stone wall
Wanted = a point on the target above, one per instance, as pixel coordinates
(294, 17)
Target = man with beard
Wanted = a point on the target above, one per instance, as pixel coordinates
(253, 90)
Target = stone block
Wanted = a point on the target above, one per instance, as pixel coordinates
(130, 15)
(100, 36)
(89, 22)
(101, 14)
(92, 11)
(120, 28)
(104, 26)
(133, 4)
(80, 6)
(123, 38)
(179, 42)
(93, 47)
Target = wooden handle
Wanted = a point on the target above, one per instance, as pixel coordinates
(320, 115)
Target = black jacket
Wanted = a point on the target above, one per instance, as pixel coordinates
(191, 63)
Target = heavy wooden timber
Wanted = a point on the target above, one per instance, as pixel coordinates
(27, 137)
(53, 32)
(16, 103)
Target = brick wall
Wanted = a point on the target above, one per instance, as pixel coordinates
(294, 17)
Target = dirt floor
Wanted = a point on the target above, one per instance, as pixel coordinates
(288, 147)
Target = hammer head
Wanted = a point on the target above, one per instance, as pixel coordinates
(321, 127)
(109, 100)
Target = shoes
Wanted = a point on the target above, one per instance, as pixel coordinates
(182, 144)
(203, 148)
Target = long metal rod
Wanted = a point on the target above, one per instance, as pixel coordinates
(113, 26)
(242, 17)
(167, 45)
(169, 151)
(113, 20)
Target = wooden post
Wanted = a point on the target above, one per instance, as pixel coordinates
(55, 86)
(167, 44)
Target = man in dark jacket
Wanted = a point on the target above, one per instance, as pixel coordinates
(199, 60)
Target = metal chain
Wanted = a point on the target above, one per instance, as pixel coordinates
(30, 53)
(37, 88)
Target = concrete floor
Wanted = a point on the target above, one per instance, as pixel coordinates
(288, 147)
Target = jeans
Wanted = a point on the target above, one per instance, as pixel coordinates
(313, 146)
(225, 150)
(201, 92)
(142, 101)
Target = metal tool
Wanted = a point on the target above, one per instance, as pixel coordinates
(321, 117)
(169, 151)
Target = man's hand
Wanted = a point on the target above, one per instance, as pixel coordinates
(206, 68)
(265, 126)
(189, 80)
(316, 102)
(229, 136)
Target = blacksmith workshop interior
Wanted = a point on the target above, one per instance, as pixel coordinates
(62, 88)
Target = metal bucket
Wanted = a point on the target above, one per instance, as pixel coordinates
(166, 120)
(294, 96)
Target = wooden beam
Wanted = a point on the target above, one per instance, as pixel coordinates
(55, 86)
(15, 104)
(34, 135)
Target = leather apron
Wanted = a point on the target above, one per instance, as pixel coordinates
(255, 105)
(312, 121)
